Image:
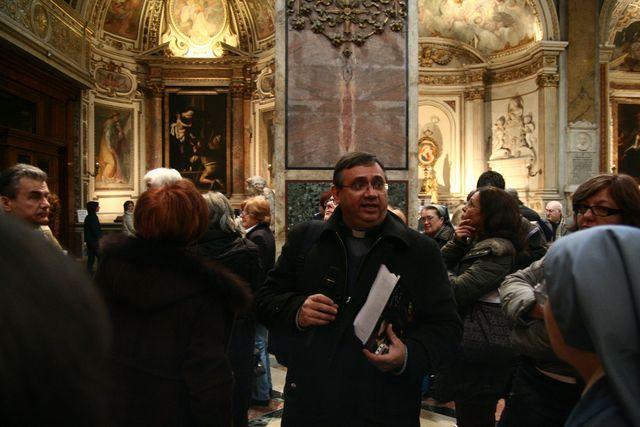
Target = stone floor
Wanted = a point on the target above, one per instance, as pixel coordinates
(431, 415)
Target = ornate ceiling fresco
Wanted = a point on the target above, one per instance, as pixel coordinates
(491, 26)
(627, 40)
(193, 28)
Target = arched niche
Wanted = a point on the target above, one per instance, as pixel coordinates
(484, 81)
(438, 120)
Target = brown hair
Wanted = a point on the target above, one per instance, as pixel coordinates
(501, 216)
(623, 190)
(258, 206)
(351, 160)
(175, 213)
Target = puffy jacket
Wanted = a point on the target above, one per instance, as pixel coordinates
(478, 268)
(529, 336)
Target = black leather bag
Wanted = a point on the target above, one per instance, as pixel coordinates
(486, 335)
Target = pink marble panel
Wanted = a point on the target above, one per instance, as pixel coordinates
(337, 105)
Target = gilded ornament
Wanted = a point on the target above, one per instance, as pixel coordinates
(40, 20)
(431, 55)
(548, 80)
(325, 17)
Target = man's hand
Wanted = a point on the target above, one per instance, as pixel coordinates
(317, 310)
(394, 359)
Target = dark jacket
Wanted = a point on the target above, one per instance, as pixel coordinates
(533, 216)
(444, 235)
(92, 229)
(477, 269)
(241, 257)
(535, 247)
(172, 315)
(262, 236)
(329, 381)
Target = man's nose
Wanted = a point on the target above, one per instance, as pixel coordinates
(45, 203)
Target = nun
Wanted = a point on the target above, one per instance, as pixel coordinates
(592, 315)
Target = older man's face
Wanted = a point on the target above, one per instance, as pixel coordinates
(553, 212)
(31, 202)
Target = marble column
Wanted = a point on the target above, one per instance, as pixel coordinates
(581, 60)
(153, 125)
(237, 143)
(475, 152)
(548, 135)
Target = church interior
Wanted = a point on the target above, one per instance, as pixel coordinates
(98, 92)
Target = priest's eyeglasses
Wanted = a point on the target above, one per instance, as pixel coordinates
(361, 185)
(596, 210)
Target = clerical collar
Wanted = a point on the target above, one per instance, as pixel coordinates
(361, 234)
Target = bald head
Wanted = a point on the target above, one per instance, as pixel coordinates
(554, 211)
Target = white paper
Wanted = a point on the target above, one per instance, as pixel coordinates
(377, 299)
(82, 214)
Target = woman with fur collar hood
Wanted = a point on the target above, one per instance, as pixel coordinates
(172, 316)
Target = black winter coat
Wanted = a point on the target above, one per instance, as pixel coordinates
(172, 316)
(262, 236)
(241, 257)
(329, 381)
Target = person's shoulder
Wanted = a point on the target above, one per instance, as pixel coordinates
(494, 245)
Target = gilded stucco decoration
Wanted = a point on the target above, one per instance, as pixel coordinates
(265, 83)
(492, 27)
(40, 21)
(198, 28)
(345, 22)
(18, 10)
(113, 79)
(433, 55)
(428, 154)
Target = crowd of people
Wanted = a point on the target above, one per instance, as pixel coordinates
(174, 326)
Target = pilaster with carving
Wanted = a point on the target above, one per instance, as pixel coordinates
(548, 136)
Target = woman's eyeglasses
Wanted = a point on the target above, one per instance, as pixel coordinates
(596, 210)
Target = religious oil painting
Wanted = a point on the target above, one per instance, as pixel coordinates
(628, 137)
(490, 26)
(113, 147)
(263, 16)
(199, 20)
(123, 18)
(197, 137)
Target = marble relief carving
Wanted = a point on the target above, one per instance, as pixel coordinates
(358, 20)
(514, 134)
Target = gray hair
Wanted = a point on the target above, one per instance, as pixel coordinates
(220, 212)
(160, 177)
(10, 178)
(257, 183)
